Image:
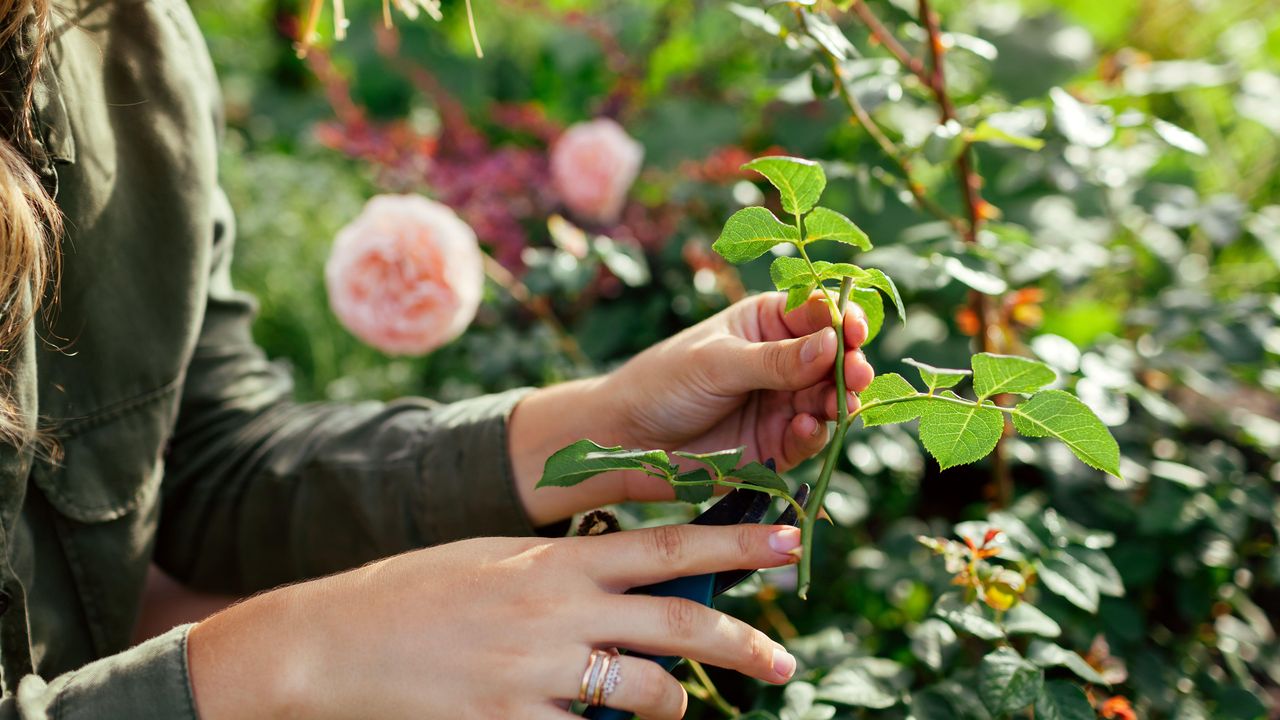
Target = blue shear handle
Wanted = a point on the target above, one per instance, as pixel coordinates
(697, 588)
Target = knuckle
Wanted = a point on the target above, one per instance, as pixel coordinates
(667, 543)
(775, 362)
(746, 538)
(759, 651)
(681, 616)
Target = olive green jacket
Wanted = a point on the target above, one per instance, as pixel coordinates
(179, 440)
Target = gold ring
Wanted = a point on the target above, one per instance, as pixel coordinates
(589, 674)
(600, 685)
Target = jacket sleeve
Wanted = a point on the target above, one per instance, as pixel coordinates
(147, 682)
(260, 490)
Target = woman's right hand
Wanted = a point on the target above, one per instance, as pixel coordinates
(494, 628)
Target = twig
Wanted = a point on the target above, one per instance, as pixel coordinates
(886, 38)
(713, 695)
(975, 208)
(887, 146)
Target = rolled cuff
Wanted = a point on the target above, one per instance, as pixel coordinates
(469, 487)
(150, 681)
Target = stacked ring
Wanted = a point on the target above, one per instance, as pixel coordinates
(600, 678)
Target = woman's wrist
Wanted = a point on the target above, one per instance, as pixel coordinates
(547, 420)
(249, 661)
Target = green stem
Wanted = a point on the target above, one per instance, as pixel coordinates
(712, 693)
(833, 448)
(772, 492)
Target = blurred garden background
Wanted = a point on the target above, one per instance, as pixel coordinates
(1126, 231)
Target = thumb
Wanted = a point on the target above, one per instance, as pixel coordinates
(791, 364)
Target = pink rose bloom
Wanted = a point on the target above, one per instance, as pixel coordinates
(406, 275)
(592, 167)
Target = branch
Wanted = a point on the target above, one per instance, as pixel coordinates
(886, 38)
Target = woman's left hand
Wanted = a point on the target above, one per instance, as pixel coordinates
(753, 375)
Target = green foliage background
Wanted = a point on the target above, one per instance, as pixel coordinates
(1159, 267)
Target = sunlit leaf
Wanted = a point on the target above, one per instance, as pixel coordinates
(1027, 619)
(724, 461)
(1061, 415)
(933, 642)
(872, 304)
(1082, 125)
(988, 133)
(865, 682)
(967, 617)
(1069, 579)
(996, 374)
(956, 434)
(799, 295)
(825, 224)
(889, 386)
(585, 459)
(750, 233)
(1047, 654)
(878, 280)
(1007, 682)
(936, 378)
(800, 182)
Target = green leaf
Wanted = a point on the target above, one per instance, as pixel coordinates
(1047, 654)
(872, 304)
(799, 181)
(956, 434)
(996, 374)
(585, 459)
(1061, 415)
(1008, 683)
(695, 493)
(750, 233)
(933, 642)
(889, 386)
(1068, 578)
(884, 284)
(1061, 700)
(826, 224)
(753, 473)
(799, 295)
(1105, 573)
(988, 133)
(936, 378)
(790, 272)
(1027, 619)
(967, 617)
(723, 461)
(865, 682)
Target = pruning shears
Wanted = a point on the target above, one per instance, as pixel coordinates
(737, 507)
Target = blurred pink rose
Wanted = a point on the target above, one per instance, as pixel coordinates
(406, 275)
(592, 167)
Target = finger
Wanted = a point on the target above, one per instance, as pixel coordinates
(813, 400)
(783, 364)
(619, 561)
(807, 319)
(647, 690)
(552, 713)
(804, 438)
(855, 325)
(676, 626)
(858, 373)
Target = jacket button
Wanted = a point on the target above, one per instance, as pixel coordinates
(5, 600)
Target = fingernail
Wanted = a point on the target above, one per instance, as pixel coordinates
(808, 425)
(784, 539)
(783, 664)
(814, 345)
